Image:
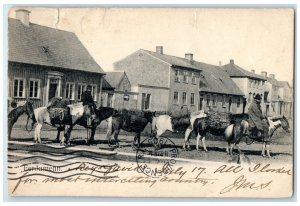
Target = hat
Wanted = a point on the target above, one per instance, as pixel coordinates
(257, 97)
(89, 87)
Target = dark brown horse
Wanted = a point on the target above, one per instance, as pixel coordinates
(130, 121)
(101, 114)
(20, 108)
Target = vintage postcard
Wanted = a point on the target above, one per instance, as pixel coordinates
(150, 102)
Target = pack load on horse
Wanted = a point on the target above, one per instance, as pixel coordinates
(177, 122)
(19, 108)
(130, 121)
(58, 110)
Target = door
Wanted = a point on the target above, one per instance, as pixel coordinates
(53, 88)
(110, 100)
(201, 103)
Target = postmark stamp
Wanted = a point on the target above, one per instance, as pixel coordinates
(156, 161)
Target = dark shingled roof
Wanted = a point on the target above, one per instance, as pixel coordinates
(41, 45)
(114, 78)
(235, 71)
(106, 85)
(215, 80)
(173, 60)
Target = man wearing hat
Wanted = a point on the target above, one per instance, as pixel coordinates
(87, 99)
(256, 118)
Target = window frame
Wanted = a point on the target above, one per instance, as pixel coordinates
(176, 102)
(177, 75)
(238, 102)
(73, 93)
(194, 81)
(224, 101)
(184, 102)
(95, 94)
(82, 90)
(38, 88)
(192, 95)
(24, 87)
(185, 78)
(208, 100)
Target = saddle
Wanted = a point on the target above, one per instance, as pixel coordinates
(58, 113)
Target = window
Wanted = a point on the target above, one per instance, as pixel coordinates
(34, 88)
(185, 77)
(224, 101)
(193, 78)
(177, 76)
(146, 98)
(208, 100)
(110, 100)
(94, 92)
(70, 89)
(80, 90)
(184, 98)
(192, 98)
(238, 103)
(176, 98)
(19, 88)
(214, 100)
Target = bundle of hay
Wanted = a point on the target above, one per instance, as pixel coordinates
(218, 120)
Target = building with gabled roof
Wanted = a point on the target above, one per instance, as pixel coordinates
(121, 96)
(248, 82)
(45, 62)
(167, 83)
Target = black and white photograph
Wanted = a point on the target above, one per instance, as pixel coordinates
(150, 102)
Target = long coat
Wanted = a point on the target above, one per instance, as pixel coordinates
(256, 117)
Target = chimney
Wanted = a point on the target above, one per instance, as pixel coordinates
(220, 63)
(23, 16)
(159, 50)
(253, 71)
(272, 76)
(264, 74)
(189, 56)
(231, 61)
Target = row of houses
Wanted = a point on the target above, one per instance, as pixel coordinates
(46, 62)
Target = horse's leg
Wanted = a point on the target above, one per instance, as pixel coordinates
(59, 129)
(91, 138)
(268, 149)
(116, 134)
(37, 133)
(263, 149)
(231, 149)
(197, 141)
(204, 145)
(227, 148)
(9, 130)
(186, 138)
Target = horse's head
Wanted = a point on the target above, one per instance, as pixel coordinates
(285, 124)
(149, 115)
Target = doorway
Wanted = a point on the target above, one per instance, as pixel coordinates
(146, 101)
(201, 103)
(53, 88)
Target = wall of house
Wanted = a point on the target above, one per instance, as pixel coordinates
(118, 101)
(41, 73)
(187, 87)
(27, 72)
(235, 108)
(141, 68)
(159, 99)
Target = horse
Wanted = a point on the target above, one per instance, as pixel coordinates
(21, 107)
(130, 121)
(101, 114)
(274, 124)
(74, 114)
(162, 123)
(232, 132)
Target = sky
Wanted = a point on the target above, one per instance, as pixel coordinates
(259, 39)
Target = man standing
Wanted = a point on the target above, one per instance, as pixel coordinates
(88, 100)
(256, 118)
